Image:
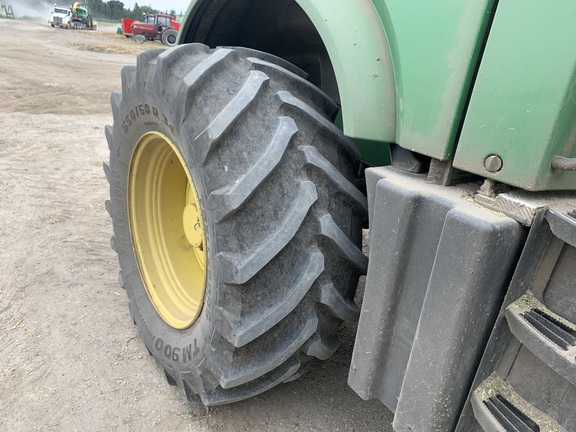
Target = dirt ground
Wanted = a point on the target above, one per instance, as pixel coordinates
(70, 357)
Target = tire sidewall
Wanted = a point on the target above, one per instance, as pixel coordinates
(270, 302)
(167, 36)
(179, 350)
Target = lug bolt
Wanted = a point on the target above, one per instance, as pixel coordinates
(493, 163)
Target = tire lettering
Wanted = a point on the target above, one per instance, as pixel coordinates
(175, 354)
(159, 345)
(143, 110)
(168, 351)
(120, 231)
(189, 352)
(146, 332)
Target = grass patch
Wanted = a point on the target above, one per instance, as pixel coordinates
(112, 43)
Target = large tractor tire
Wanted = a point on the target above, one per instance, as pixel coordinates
(169, 37)
(237, 218)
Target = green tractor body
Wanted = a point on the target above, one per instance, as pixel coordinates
(464, 116)
(450, 80)
(81, 17)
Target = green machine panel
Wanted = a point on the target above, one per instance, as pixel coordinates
(435, 47)
(522, 112)
(404, 70)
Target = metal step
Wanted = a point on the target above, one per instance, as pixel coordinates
(548, 336)
(526, 380)
(509, 416)
(498, 408)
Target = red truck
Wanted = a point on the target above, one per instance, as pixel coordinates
(155, 27)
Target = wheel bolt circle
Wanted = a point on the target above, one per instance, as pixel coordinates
(192, 225)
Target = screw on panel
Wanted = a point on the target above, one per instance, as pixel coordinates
(493, 163)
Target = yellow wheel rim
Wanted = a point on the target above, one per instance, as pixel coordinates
(167, 230)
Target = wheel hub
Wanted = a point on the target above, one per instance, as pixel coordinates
(167, 230)
(193, 225)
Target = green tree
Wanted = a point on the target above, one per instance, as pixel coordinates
(136, 12)
(116, 9)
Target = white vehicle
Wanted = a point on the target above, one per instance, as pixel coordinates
(61, 17)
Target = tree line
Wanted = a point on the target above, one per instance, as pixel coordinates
(114, 10)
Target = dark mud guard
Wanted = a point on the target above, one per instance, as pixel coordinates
(439, 268)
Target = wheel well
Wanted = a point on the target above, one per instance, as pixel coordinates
(281, 28)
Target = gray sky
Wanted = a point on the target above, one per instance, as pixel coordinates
(163, 5)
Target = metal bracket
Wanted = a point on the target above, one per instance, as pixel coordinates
(521, 205)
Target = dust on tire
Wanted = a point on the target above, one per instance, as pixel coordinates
(283, 216)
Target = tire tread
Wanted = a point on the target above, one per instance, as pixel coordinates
(219, 96)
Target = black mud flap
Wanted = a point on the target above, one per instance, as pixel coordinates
(439, 268)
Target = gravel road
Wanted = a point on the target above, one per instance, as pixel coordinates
(70, 357)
